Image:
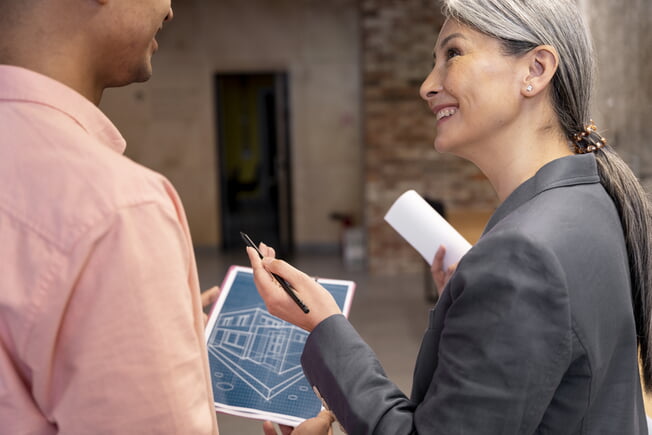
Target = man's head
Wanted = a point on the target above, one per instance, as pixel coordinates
(88, 45)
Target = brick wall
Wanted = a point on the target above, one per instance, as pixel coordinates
(397, 42)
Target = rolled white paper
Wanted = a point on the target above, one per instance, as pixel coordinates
(425, 229)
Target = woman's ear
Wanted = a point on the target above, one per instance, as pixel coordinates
(542, 63)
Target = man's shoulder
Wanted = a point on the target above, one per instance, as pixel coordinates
(62, 183)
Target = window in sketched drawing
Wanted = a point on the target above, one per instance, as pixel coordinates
(260, 349)
(255, 357)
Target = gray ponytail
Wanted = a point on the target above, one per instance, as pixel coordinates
(523, 25)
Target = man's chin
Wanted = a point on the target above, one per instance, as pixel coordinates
(143, 78)
(143, 75)
(139, 77)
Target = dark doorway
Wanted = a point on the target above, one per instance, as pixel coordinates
(253, 159)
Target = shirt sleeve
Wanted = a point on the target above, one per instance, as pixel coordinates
(501, 348)
(128, 357)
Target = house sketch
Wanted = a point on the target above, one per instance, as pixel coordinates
(259, 348)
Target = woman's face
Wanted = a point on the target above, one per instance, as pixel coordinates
(474, 90)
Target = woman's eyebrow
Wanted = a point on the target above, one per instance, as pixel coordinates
(449, 38)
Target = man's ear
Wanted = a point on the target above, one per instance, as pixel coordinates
(542, 63)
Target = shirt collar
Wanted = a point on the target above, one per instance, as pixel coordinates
(565, 171)
(20, 84)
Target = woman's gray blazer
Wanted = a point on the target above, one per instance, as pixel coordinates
(533, 334)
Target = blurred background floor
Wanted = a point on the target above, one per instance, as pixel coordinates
(390, 313)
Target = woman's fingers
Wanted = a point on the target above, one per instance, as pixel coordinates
(319, 301)
(319, 425)
(437, 269)
(286, 270)
(267, 251)
(440, 275)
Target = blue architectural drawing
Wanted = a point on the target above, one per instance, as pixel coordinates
(255, 357)
(252, 340)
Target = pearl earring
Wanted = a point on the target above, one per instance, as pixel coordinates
(529, 88)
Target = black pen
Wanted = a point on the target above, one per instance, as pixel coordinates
(286, 286)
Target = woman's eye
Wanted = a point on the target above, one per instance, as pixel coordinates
(448, 54)
(452, 52)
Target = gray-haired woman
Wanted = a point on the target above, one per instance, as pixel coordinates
(539, 328)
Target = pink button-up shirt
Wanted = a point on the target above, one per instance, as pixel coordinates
(101, 329)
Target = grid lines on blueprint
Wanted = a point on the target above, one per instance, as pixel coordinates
(254, 357)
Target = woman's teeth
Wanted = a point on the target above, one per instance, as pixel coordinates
(446, 112)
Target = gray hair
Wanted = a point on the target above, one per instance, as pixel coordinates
(523, 25)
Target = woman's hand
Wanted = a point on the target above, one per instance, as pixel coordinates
(319, 425)
(318, 300)
(439, 275)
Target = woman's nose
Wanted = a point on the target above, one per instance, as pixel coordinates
(169, 16)
(430, 86)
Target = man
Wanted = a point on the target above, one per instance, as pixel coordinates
(101, 328)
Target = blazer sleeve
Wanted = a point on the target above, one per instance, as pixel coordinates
(502, 346)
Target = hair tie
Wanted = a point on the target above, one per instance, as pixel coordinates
(589, 140)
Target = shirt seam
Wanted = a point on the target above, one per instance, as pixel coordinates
(87, 226)
(35, 306)
(574, 328)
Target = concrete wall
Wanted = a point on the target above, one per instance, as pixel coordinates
(623, 103)
(169, 122)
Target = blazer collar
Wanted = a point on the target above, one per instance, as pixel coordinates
(562, 172)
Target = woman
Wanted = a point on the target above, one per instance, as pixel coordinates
(537, 330)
